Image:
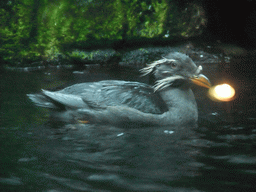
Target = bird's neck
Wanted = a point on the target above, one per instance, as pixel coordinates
(182, 106)
(178, 97)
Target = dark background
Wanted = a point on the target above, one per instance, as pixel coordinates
(231, 21)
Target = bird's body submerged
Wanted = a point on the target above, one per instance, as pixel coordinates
(169, 102)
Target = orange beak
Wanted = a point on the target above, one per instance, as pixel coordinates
(201, 80)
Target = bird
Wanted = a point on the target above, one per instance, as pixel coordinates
(170, 101)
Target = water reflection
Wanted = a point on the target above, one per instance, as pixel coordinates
(43, 155)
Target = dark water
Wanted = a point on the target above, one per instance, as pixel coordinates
(42, 155)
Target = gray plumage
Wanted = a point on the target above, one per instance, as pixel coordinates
(169, 102)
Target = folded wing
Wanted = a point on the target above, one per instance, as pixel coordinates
(101, 94)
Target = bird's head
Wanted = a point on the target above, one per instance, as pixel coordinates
(175, 68)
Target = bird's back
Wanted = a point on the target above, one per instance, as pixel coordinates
(101, 94)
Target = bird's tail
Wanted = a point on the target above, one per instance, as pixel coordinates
(42, 101)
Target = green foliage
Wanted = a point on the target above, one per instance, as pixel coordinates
(96, 56)
(32, 30)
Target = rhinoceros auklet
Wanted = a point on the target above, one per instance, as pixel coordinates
(169, 102)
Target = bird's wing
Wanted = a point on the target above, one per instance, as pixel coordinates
(99, 95)
(135, 95)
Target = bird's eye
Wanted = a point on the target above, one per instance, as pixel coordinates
(173, 65)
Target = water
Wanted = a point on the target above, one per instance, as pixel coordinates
(42, 155)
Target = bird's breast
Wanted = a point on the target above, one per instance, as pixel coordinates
(182, 106)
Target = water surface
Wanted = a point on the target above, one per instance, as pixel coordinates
(38, 154)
